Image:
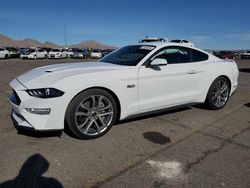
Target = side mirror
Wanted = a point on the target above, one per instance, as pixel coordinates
(159, 62)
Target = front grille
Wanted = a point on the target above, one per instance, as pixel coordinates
(15, 98)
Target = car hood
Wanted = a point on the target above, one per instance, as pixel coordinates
(54, 52)
(47, 75)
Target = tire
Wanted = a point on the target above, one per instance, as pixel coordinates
(218, 94)
(6, 56)
(87, 119)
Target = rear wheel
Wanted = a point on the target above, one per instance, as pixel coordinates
(91, 114)
(218, 93)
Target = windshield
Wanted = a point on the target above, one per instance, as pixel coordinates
(96, 51)
(128, 55)
(55, 50)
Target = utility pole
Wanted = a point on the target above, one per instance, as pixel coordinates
(65, 36)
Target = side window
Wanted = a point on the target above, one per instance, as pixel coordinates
(1, 49)
(175, 55)
(199, 56)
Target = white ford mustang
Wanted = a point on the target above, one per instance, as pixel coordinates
(90, 97)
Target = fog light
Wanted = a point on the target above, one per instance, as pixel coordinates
(42, 111)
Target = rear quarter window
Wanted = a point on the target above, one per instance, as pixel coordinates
(199, 56)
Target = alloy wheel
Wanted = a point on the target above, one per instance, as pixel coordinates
(94, 115)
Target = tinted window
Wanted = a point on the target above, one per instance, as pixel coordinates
(199, 56)
(176, 41)
(1, 49)
(174, 55)
(55, 50)
(96, 51)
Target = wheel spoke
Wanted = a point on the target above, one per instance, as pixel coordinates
(105, 114)
(100, 101)
(89, 125)
(223, 88)
(81, 114)
(84, 107)
(103, 124)
(82, 125)
(97, 126)
(106, 107)
(93, 101)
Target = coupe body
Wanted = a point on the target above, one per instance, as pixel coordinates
(90, 97)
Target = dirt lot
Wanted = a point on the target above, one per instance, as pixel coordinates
(190, 147)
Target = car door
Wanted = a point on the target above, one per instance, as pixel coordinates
(38, 53)
(170, 85)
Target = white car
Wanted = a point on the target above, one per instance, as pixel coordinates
(90, 97)
(33, 53)
(245, 55)
(183, 41)
(96, 54)
(58, 53)
(4, 53)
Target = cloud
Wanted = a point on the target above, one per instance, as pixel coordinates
(200, 38)
(240, 36)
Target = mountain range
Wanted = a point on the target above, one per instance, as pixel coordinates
(7, 41)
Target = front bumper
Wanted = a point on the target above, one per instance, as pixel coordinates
(27, 56)
(24, 118)
(55, 56)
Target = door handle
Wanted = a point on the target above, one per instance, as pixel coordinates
(191, 71)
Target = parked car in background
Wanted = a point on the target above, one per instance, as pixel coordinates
(4, 54)
(153, 40)
(14, 52)
(96, 54)
(106, 52)
(58, 53)
(182, 41)
(80, 53)
(225, 54)
(33, 53)
(70, 52)
(245, 55)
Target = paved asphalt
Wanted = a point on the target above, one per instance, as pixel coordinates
(189, 147)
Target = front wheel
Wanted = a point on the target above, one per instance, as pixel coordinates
(91, 114)
(218, 93)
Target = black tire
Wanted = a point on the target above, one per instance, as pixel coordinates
(74, 106)
(211, 95)
(6, 56)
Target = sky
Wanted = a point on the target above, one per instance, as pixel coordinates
(210, 24)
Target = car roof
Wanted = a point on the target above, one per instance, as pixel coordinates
(166, 44)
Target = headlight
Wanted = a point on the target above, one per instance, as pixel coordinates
(45, 92)
(57, 53)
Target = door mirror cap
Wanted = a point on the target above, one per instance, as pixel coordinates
(159, 62)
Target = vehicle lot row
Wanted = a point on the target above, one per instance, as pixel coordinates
(56, 53)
